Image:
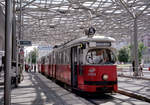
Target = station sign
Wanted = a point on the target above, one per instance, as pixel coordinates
(44, 47)
(25, 43)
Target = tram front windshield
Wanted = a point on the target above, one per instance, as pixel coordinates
(100, 56)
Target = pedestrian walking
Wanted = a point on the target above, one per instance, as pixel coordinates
(0, 70)
(141, 69)
(34, 68)
(133, 66)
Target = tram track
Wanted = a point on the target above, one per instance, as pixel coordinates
(100, 99)
(108, 98)
(97, 99)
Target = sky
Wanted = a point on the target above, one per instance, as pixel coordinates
(29, 49)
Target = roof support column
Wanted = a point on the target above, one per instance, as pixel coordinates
(20, 20)
(14, 42)
(135, 39)
(18, 39)
(8, 51)
(135, 48)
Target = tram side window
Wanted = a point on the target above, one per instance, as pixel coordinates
(57, 58)
(47, 60)
(67, 56)
(60, 58)
(50, 59)
(43, 61)
(100, 56)
(66, 59)
(53, 58)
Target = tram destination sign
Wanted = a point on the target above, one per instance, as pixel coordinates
(104, 44)
(99, 44)
(25, 43)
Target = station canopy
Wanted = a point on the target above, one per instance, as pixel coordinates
(57, 21)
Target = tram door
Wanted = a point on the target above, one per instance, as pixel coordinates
(74, 63)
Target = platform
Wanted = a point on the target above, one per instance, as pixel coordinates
(137, 85)
(38, 90)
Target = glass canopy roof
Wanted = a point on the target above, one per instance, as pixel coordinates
(56, 21)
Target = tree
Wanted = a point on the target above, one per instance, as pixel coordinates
(123, 55)
(141, 49)
(33, 56)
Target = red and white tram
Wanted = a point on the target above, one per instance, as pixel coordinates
(86, 64)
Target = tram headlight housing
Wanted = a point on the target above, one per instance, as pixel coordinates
(105, 77)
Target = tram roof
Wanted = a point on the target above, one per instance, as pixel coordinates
(95, 38)
(92, 39)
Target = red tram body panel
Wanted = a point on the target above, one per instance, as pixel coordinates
(43, 69)
(92, 80)
(64, 74)
(86, 64)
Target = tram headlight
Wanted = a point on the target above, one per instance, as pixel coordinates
(105, 77)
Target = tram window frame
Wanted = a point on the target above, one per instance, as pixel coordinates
(103, 56)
